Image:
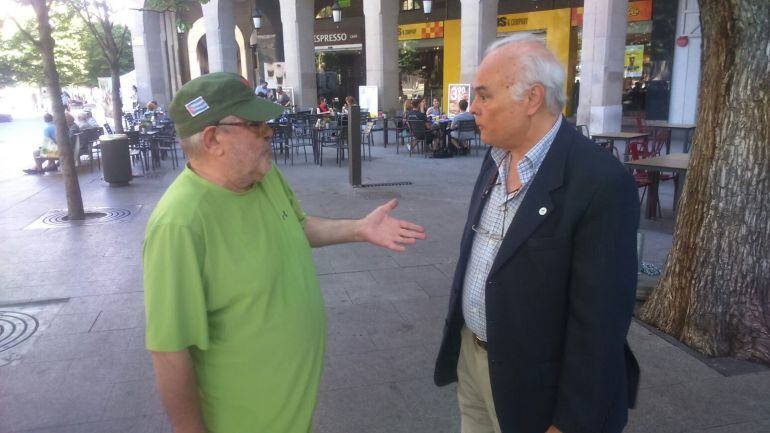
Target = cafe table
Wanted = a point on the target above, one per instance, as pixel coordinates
(688, 128)
(674, 162)
(625, 136)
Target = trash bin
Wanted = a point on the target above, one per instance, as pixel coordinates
(116, 160)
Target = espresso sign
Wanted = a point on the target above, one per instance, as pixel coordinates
(325, 38)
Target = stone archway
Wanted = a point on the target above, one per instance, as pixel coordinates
(197, 51)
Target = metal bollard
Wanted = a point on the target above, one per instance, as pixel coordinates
(354, 145)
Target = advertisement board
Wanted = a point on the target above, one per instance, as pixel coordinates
(632, 67)
(367, 98)
(275, 73)
(457, 92)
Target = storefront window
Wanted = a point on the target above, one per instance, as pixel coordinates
(410, 5)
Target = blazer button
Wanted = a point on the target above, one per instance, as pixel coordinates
(491, 283)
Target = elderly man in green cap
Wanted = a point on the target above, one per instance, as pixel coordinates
(235, 316)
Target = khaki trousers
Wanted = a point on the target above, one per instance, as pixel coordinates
(474, 390)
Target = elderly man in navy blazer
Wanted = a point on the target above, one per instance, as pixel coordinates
(543, 292)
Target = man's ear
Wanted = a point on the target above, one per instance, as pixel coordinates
(211, 144)
(535, 98)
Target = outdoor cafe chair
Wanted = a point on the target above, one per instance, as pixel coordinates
(332, 137)
(417, 129)
(279, 142)
(467, 128)
(301, 136)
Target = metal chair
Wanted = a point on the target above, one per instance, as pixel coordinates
(467, 128)
(417, 134)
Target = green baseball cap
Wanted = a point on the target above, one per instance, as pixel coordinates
(212, 97)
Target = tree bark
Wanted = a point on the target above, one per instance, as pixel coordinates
(71, 185)
(117, 102)
(714, 293)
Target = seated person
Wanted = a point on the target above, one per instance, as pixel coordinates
(49, 142)
(90, 121)
(282, 98)
(349, 102)
(456, 137)
(434, 111)
(323, 108)
(415, 115)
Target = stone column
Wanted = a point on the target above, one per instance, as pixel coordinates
(147, 47)
(298, 21)
(381, 35)
(219, 19)
(478, 29)
(685, 79)
(601, 74)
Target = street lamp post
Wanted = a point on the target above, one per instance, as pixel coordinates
(256, 19)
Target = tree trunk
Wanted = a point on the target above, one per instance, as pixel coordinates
(71, 186)
(714, 294)
(117, 102)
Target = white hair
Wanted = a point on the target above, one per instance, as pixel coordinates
(192, 145)
(535, 66)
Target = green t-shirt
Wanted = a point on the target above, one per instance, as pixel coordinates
(231, 276)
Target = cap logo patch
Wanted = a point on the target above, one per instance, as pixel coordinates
(196, 106)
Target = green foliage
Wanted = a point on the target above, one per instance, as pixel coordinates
(20, 60)
(408, 60)
(95, 64)
(170, 5)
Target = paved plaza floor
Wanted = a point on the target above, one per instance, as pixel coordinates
(72, 357)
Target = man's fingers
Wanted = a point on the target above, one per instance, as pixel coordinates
(411, 226)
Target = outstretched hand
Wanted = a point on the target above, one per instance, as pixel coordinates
(381, 229)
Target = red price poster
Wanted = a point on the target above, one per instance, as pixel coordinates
(457, 92)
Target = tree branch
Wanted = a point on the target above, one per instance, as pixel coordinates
(26, 34)
(122, 42)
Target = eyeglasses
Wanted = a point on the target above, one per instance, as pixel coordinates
(254, 127)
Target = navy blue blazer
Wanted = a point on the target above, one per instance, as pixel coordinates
(559, 296)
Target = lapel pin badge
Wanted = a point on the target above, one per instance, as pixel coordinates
(542, 211)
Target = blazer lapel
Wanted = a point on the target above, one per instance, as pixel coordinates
(537, 204)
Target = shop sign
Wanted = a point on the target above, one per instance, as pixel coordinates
(325, 38)
(457, 92)
(429, 30)
(640, 10)
(511, 23)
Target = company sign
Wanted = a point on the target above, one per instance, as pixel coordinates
(325, 38)
(430, 30)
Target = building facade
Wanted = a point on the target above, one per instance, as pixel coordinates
(621, 57)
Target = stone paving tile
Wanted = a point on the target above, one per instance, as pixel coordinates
(762, 426)
(414, 310)
(51, 408)
(376, 367)
(112, 320)
(416, 274)
(374, 405)
(32, 377)
(134, 398)
(368, 293)
(71, 323)
(139, 424)
(75, 346)
(348, 341)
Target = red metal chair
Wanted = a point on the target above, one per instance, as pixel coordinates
(639, 150)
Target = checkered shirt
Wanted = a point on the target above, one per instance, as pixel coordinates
(495, 219)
